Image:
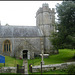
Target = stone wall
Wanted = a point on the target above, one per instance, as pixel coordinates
(45, 17)
(32, 44)
(8, 70)
(51, 67)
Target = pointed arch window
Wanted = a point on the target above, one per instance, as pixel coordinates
(7, 46)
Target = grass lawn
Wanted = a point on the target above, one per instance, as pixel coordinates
(11, 62)
(65, 55)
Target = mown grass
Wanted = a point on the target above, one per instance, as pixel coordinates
(11, 62)
(64, 55)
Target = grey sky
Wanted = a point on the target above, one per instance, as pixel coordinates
(21, 12)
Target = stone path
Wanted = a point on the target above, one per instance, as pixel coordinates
(25, 63)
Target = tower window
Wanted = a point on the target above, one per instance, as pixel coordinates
(7, 46)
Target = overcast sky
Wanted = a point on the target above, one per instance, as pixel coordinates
(21, 12)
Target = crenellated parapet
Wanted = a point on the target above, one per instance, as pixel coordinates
(45, 8)
(45, 15)
(45, 18)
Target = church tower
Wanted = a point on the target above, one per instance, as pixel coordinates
(45, 17)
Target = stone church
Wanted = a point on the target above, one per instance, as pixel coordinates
(25, 41)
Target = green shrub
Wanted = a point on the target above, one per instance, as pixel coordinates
(71, 69)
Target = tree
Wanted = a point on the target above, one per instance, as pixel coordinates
(65, 38)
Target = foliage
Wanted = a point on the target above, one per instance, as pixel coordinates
(71, 69)
(65, 37)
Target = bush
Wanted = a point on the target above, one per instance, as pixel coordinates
(71, 69)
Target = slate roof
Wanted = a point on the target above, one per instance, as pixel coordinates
(20, 31)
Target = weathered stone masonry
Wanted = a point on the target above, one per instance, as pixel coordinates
(27, 38)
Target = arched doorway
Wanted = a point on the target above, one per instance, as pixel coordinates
(25, 52)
